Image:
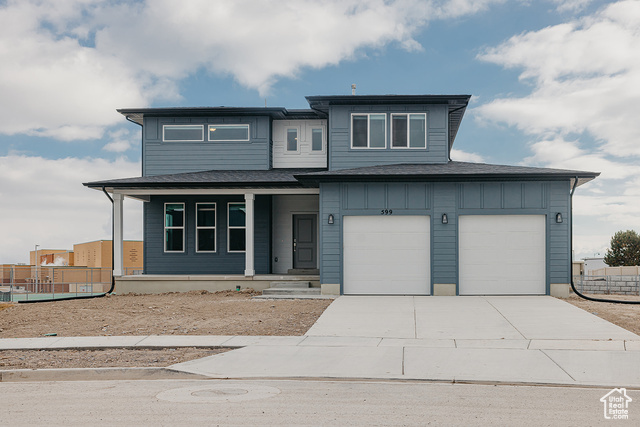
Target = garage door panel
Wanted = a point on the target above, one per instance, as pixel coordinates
(386, 255)
(502, 254)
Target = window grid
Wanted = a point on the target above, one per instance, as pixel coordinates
(376, 117)
(203, 207)
(169, 229)
(234, 227)
(407, 129)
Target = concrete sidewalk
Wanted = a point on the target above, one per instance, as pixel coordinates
(538, 340)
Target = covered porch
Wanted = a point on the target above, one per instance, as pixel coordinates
(220, 234)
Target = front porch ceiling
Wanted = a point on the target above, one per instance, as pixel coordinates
(144, 194)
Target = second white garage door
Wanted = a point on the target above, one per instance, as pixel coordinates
(386, 255)
(502, 254)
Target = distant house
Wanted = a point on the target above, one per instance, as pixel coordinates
(357, 192)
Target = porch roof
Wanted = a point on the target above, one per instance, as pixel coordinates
(273, 178)
(445, 172)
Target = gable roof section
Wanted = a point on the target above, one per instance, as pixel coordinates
(457, 105)
(211, 179)
(451, 171)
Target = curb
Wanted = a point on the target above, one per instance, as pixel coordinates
(96, 374)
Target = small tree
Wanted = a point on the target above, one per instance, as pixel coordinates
(625, 249)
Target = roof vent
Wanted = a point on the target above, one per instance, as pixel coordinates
(353, 89)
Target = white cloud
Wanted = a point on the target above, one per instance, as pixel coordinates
(45, 203)
(65, 66)
(463, 156)
(582, 112)
(122, 140)
(571, 5)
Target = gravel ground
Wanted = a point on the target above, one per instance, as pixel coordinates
(188, 313)
(626, 316)
(107, 358)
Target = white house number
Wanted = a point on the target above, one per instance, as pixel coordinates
(386, 212)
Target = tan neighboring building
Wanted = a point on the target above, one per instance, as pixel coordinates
(98, 254)
(44, 255)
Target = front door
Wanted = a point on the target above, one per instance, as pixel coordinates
(304, 241)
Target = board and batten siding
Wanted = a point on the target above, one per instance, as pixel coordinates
(305, 157)
(454, 199)
(156, 261)
(283, 208)
(159, 158)
(342, 156)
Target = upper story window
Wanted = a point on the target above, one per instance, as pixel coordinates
(369, 130)
(205, 227)
(183, 133)
(292, 139)
(316, 139)
(174, 227)
(228, 132)
(409, 130)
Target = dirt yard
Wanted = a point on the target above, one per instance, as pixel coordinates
(623, 315)
(188, 313)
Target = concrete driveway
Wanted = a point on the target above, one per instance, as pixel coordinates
(524, 339)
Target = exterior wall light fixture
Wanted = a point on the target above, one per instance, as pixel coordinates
(559, 218)
(330, 219)
(445, 218)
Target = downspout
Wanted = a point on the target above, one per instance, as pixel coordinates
(573, 286)
(113, 279)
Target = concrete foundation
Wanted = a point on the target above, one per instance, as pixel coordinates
(330, 289)
(444, 289)
(157, 284)
(560, 290)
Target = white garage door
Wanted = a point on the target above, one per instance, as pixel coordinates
(502, 254)
(386, 255)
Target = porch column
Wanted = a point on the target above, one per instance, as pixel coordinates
(249, 255)
(118, 200)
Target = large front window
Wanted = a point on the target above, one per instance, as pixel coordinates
(368, 131)
(228, 132)
(409, 130)
(205, 227)
(174, 227)
(237, 227)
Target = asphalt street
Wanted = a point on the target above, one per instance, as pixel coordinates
(300, 403)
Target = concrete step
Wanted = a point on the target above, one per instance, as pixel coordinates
(304, 271)
(290, 284)
(291, 291)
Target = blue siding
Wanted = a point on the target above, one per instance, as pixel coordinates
(177, 157)
(454, 199)
(341, 156)
(156, 261)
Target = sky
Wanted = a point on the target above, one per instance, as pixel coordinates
(555, 83)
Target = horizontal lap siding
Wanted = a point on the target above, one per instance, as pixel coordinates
(156, 261)
(342, 156)
(178, 157)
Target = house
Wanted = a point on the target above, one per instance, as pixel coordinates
(358, 193)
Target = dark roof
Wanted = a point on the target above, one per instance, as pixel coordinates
(213, 178)
(277, 113)
(310, 177)
(457, 105)
(446, 172)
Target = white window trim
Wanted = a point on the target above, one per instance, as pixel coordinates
(324, 140)
(286, 142)
(408, 129)
(218, 125)
(368, 147)
(182, 140)
(235, 227)
(164, 231)
(215, 239)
